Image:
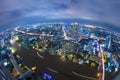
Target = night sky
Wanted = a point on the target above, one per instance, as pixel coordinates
(107, 11)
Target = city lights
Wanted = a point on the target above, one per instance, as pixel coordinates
(75, 47)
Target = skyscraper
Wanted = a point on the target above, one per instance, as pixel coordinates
(108, 42)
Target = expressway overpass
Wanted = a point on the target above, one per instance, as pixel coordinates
(12, 59)
(4, 73)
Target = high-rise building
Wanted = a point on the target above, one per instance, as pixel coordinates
(108, 42)
(2, 43)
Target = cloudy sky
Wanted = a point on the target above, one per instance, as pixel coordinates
(107, 11)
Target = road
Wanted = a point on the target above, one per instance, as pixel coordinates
(33, 34)
(13, 60)
(4, 73)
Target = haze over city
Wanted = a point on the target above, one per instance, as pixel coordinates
(16, 12)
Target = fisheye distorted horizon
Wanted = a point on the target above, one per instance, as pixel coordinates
(98, 10)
